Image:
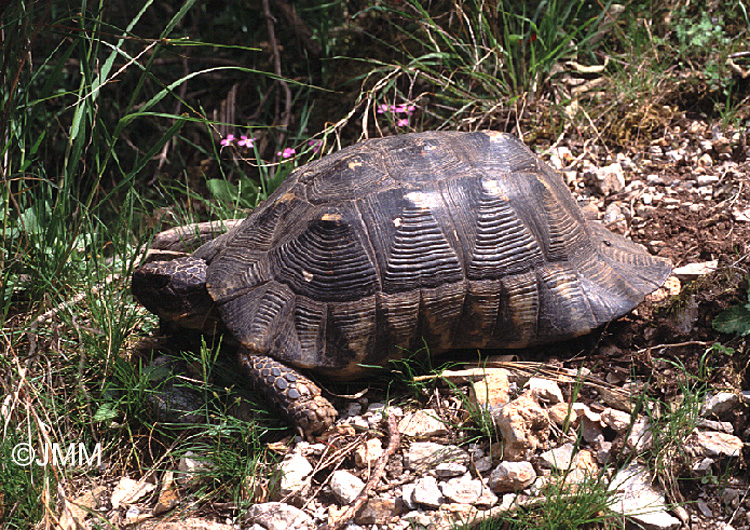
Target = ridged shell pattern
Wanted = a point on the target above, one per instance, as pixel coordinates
(460, 240)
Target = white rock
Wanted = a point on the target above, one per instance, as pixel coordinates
(707, 180)
(463, 490)
(616, 420)
(524, 426)
(705, 145)
(561, 413)
(720, 403)
(559, 157)
(192, 470)
(132, 513)
(129, 491)
(571, 175)
(703, 466)
(278, 516)
(709, 443)
(705, 509)
(294, 471)
(424, 455)
(637, 499)
(483, 465)
(592, 430)
(640, 437)
(742, 215)
(418, 518)
(345, 486)
(376, 412)
(711, 425)
(486, 499)
(512, 476)
(581, 409)
(544, 391)
(559, 458)
(307, 449)
(407, 495)
(354, 409)
(427, 492)
(367, 454)
(604, 452)
(377, 510)
(610, 179)
(450, 469)
(492, 388)
(674, 156)
(508, 501)
(614, 217)
(694, 270)
(376, 407)
(422, 424)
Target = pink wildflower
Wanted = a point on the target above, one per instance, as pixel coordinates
(405, 109)
(228, 140)
(246, 142)
(288, 152)
(401, 108)
(315, 144)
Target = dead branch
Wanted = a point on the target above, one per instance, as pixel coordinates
(394, 439)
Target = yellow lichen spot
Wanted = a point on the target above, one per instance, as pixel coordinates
(287, 197)
(493, 187)
(354, 164)
(424, 200)
(495, 136)
(331, 217)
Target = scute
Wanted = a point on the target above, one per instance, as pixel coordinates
(420, 254)
(325, 262)
(345, 178)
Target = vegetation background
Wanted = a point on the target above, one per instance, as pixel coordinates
(120, 119)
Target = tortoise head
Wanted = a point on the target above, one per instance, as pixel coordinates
(176, 291)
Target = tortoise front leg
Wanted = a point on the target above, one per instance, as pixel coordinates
(297, 396)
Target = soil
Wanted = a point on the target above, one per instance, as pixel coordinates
(702, 217)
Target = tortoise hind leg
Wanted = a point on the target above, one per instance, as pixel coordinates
(297, 396)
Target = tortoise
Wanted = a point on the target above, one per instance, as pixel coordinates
(460, 240)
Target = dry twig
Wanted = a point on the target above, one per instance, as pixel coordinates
(394, 439)
(286, 114)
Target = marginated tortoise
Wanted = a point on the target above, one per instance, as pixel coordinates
(463, 240)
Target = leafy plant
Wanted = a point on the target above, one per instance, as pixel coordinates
(735, 320)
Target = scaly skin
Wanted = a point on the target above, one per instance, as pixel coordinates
(298, 397)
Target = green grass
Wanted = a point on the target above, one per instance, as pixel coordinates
(564, 506)
(466, 65)
(20, 486)
(84, 124)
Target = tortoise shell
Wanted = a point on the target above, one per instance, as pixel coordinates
(460, 240)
